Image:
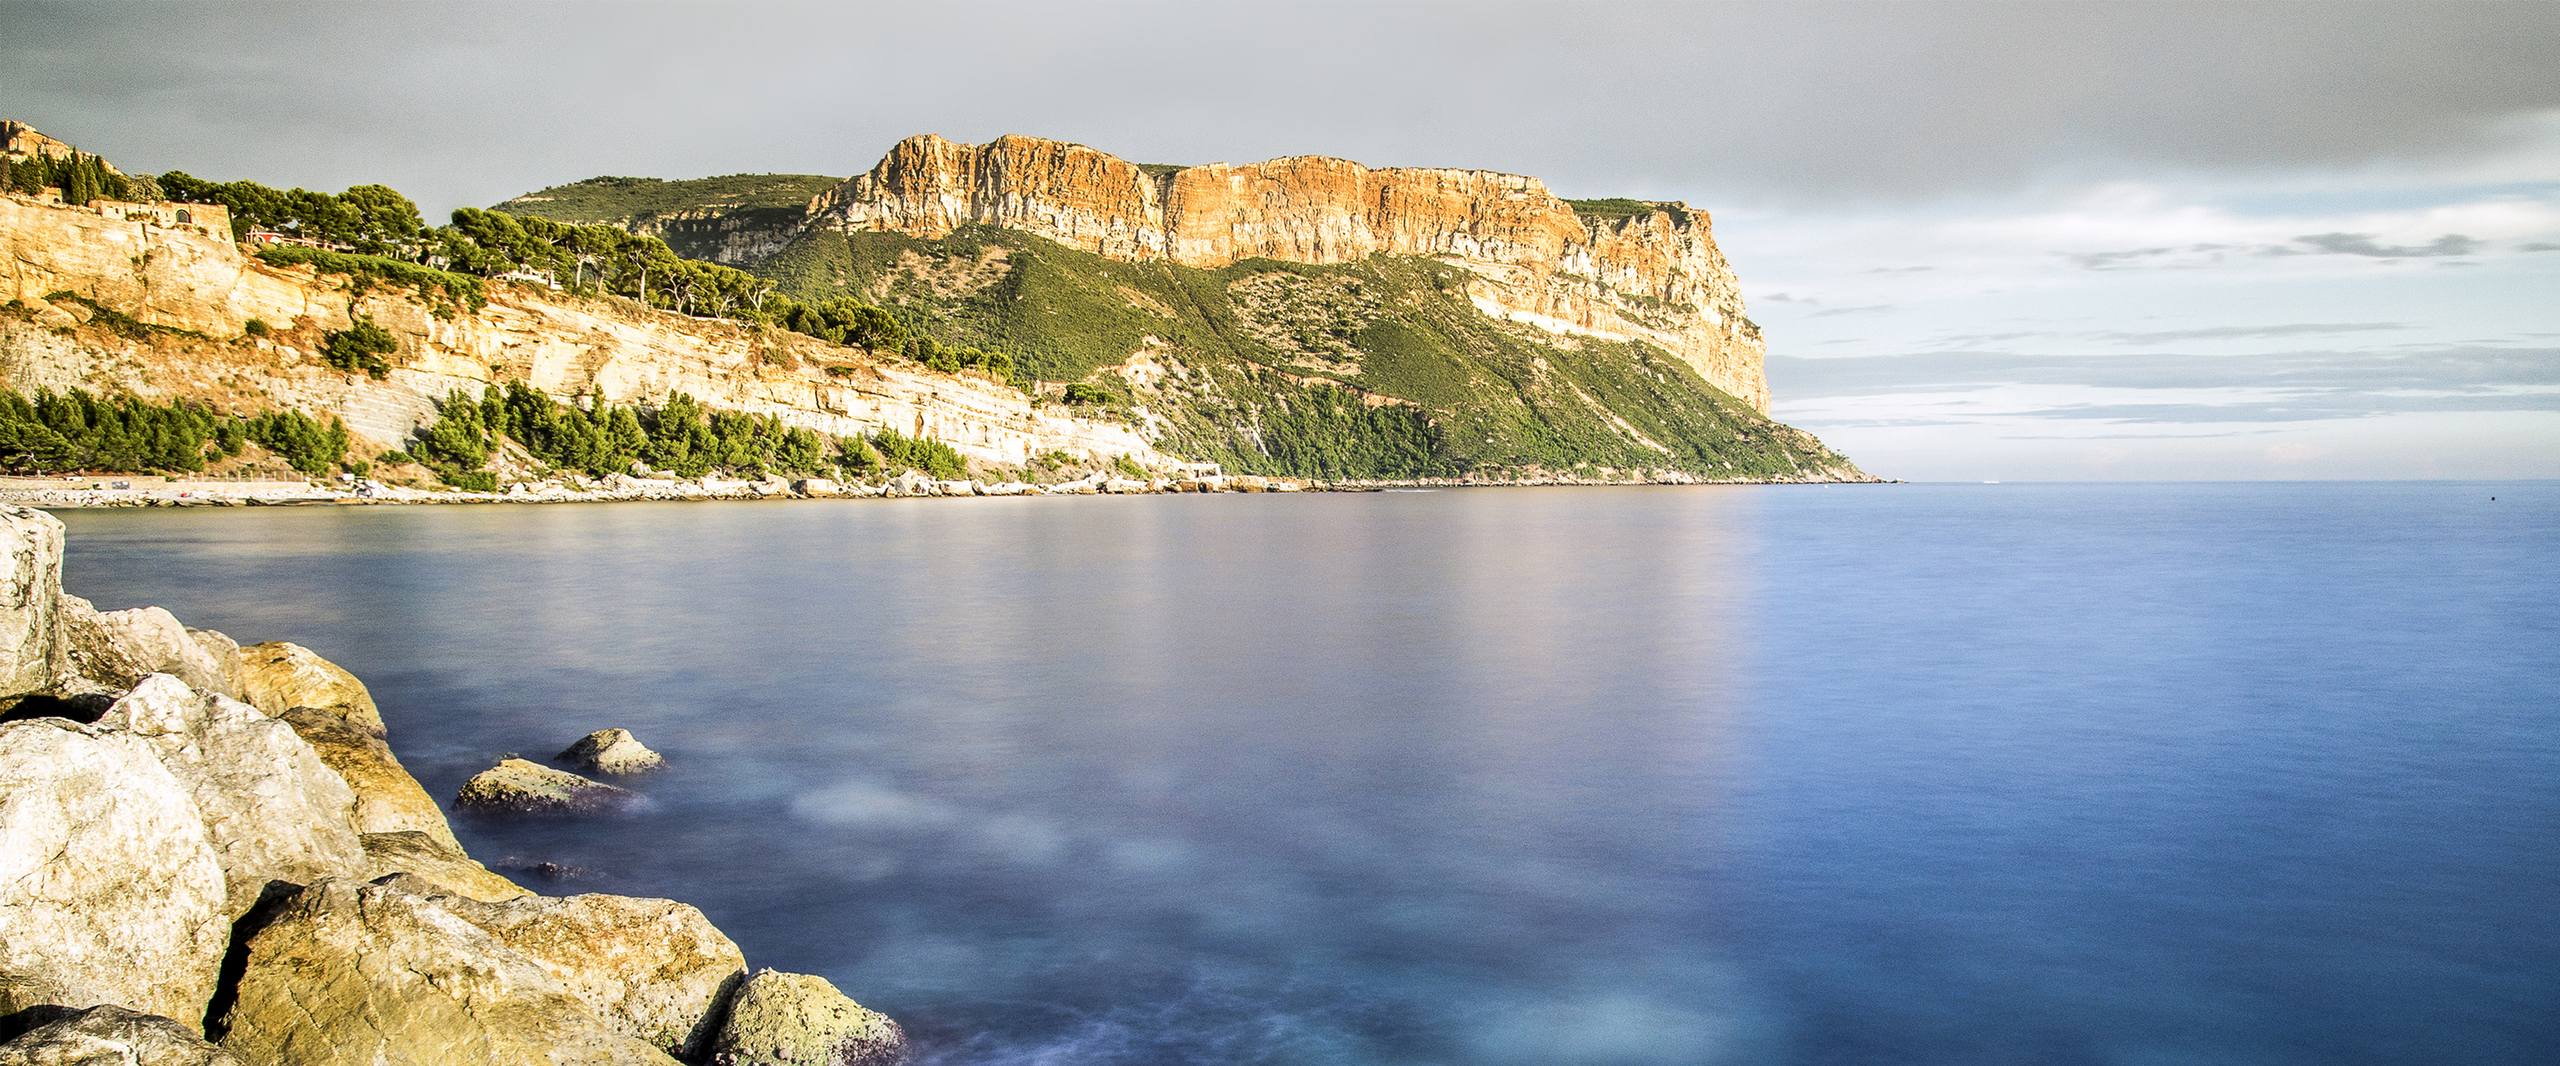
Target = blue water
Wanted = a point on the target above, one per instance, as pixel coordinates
(1913, 774)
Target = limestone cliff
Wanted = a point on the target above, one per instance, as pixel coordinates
(1653, 275)
(189, 297)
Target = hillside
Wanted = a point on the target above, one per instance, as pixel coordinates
(1305, 315)
(729, 219)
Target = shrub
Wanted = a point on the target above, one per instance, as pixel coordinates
(257, 327)
(361, 346)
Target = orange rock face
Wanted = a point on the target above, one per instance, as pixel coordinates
(1656, 276)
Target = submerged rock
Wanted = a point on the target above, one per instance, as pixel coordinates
(516, 786)
(654, 969)
(794, 1019)
(343, 973)
(271, 808)
(280, 676)
(612, 751)
(109, 1035)
(109, 891)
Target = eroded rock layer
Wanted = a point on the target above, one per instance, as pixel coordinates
(1652, 274)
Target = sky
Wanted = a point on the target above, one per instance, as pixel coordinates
(1985, 241)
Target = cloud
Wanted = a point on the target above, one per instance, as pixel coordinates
(2289, 329)
(2538, 246)
(2364, 244)
(2480, 369)
(1862, 309)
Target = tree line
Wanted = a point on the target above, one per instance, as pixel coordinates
(595, 259)
(81, 177)
(65, 432)
(680, 437)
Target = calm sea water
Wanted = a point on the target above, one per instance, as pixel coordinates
(1912, 774)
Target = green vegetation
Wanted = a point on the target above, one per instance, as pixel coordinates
(445, 292)
(81, 177)
(634, 201)
(1620, 209)
(123, 324)
(362, 346)
(51, 432)
(307, 444)
(372, 219)
(679, 437)
(1378, 369)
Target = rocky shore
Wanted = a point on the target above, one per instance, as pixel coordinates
(210, 856)
(100, 492)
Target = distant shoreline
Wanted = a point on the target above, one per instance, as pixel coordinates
(100, 492)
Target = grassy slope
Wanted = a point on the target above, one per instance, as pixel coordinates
(1258, 343)
(628, 201)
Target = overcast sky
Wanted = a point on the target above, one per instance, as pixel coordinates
(2060, 240)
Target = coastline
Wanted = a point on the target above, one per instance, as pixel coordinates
(126, 491)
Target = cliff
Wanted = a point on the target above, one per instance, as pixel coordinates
(1653, 275)
(111, 304)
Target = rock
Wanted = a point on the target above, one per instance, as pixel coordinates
(439, 863)
(792, 1019)
(279, 676)
(271, 808)
(109, 891)
(956, 488)
(612, 751)
(30, 595)
(388, 800)
(521, 787)
(117, 649)
(817, 488)
(1124, 486)
(655, 969)
(109, 1035)
(344, 973)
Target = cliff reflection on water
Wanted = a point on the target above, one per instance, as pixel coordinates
(2051, 774)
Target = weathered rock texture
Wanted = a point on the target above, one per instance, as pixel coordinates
(204, 290)
(388, 800)
(30, 594)
(112, 1036)
(795, 1019)
(519, 786)
(1655, 275)
(109, 891)
(273, 810)
(612, 751)
(351, 974)
(117, 649)
(655, 969)
(279, 676)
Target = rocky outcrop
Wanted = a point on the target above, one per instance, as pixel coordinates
(612, 751)
(112, 1036)
(794, 1019)
(279, 676)
(344, 973)
(655, 969)
(199, 292)
(388, 800)
(172, 857)
(1653, 273)
(30, 595)
(519, 786)
(109, 890)
(117, 649)
(438, 863)
(272, 809)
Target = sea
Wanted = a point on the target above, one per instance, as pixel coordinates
(1921, 774)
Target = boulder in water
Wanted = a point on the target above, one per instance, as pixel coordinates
(794, 1019)
(612, 751)
(517, 786)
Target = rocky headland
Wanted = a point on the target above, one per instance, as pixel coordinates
(209, 854)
